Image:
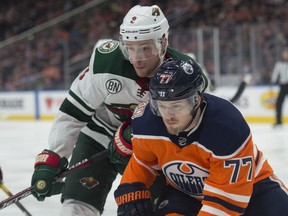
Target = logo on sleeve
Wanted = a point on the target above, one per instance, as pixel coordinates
(139, 110)
(89, 182)
(83, 73)
(122, 112)
(108, 47)
(186, 176)
(113, 86)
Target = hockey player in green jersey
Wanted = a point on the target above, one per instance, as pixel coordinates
(99, 104)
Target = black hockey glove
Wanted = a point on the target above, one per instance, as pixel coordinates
(120, 147)
(47, 165)
(133, 200)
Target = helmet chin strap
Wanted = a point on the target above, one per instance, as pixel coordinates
(163, 47)
(193, 114)
(161, 56)
(156, 66)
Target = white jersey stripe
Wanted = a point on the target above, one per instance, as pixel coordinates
(235, 197)
(144, 165)
(213, 211)
(101, 138)
(259, 166)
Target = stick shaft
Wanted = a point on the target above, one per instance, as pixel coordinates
(28, 191)
(6, 190)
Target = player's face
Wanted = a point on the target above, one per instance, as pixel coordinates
(285, 55)
(176, 115)
(144, 56)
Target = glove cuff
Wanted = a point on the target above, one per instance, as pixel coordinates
(130, 193)
(47, 157)
(123, 147)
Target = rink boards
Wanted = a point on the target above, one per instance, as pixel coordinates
(257, 104)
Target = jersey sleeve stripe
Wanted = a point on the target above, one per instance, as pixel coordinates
(276, 179)
(256, 154)
(235, 197)
(102, 138)
(144, 165)
(222, 157)
(81, 102)
(225, 204)
(212, 211)
(72, 110)
(79, 106)
(108, 129)
(260, 165)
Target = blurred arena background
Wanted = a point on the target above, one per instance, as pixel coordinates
(45, 44)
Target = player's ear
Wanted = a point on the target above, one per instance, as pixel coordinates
(164, 44)
(199, 100)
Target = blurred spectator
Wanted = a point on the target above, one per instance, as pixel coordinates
(52, 77)
(69, 41)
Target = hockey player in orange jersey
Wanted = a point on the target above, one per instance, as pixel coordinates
(205, 149)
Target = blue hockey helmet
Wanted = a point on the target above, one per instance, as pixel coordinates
(176, 80)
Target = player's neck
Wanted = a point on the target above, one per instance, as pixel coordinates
(195, 120)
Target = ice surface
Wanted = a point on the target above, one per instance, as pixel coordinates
(21, 141)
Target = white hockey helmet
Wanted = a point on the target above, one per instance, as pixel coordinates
(144, 23)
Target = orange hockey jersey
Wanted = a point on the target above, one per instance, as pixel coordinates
(216, 162)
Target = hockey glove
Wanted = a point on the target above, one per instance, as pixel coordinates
(133, 200)
(120, 147)
(47, 165)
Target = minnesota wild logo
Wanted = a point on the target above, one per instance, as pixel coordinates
(108, 47)
(89, 182)
(121, 111)
(155, 11)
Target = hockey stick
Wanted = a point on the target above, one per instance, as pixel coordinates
(21, 207)
(245, 81)
(239, 92)
(28, 191)
(6, 190)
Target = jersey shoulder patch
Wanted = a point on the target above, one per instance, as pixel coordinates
(139, 110)
(109, 59)
(108, 46)
(144, 122)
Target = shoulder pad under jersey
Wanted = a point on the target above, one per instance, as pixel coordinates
(108, 58)
(226, 126)
(144, 122)
(175, 54)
